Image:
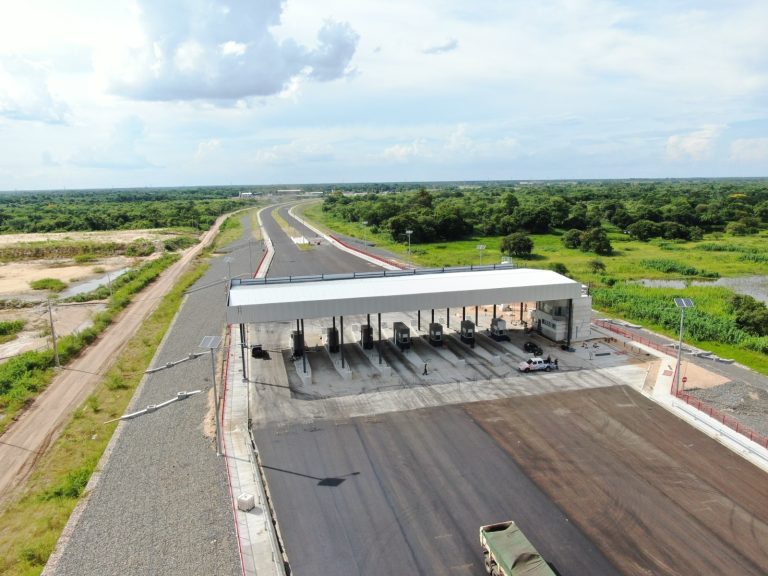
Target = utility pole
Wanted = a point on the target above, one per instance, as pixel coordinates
(53, 336)
(212, 343)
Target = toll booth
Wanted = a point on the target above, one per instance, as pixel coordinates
(297, 343)
(436, 334)
(468, 332)
(332, 339)
(402, 335)
(498, 330)
(366, 336)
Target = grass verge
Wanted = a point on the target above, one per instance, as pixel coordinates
(32, 520)
(230, 230)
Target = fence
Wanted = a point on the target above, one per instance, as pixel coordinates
(700, 405)
(729, 421)
(633, 336)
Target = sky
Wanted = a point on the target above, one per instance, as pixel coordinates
(134, 93)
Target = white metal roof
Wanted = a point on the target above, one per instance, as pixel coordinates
(285, 299)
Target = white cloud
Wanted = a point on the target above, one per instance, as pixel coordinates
(202, 51)
(118, 152)
(232, 48)
(24, 93)
(750, 150)
(448, 46)
(405, 152)
(696, 145)
(205, 147)
(298, 151)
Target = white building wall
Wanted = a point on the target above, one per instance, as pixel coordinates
(551, 319)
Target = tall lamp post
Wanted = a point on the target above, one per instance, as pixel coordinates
(408, 233)
(365, 223)
(681, 303)
(212, 343)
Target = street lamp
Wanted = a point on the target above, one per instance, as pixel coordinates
(408, 233)
(365, 223)
(229, 260)
(212, 343)
(681, 303)
(480, 248)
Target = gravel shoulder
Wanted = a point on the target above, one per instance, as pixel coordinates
(161, 504)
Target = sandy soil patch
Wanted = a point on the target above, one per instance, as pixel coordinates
(105, 236)
(16, 276)
(36, 333)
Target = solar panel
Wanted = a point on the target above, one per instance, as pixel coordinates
(684, 303)
(210, 342)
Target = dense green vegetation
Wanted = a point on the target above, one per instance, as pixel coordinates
(673, 210)
(62, 211)
(24, 376)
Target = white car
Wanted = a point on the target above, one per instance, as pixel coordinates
(533, 364)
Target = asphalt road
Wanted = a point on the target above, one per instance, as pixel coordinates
(402, 493)
(602, 481)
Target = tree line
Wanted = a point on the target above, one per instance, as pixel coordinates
(583, 211)
(93, 210)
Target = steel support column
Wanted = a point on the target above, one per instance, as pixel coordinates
(303, 353)
(243, 346)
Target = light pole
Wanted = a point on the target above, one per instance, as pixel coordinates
(681, 303)
(365, 223)
(480, 248)
(212, 343)
(53, 336)
(228, 260)
(408, 233)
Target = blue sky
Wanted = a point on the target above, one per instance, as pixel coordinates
(126, 93)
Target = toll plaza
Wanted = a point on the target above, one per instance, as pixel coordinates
(561, 310)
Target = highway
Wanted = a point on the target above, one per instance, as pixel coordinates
(399, 493)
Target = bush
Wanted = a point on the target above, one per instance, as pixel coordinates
(179, 243)
(675, 267)
(52, 284)
(517, 244)
(72, 486)
(572, 238)
(10, 327)
(596, 240)
(559, 267)
(140, 248)
(84, 258)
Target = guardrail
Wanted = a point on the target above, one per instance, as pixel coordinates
(366, 253)
(724, 419)
(632, 336)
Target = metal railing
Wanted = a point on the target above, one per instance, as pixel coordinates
(725, 419)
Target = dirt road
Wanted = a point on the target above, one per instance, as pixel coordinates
(28, 438)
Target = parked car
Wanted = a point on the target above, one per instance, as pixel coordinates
(533, 348)
(534, 364)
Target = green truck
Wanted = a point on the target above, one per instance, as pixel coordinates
(507, 552)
